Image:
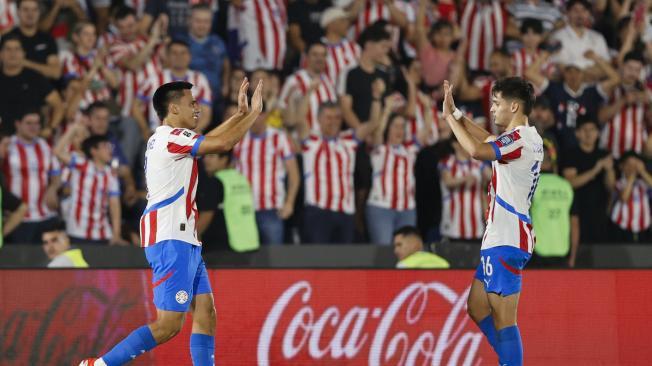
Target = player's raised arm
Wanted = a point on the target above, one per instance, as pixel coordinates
(475, 146)
(225, 139)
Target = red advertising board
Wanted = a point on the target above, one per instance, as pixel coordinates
(330, 317)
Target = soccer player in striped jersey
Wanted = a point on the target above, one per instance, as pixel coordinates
(508, 240)
(168, 225)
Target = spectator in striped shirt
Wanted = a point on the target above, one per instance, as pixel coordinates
(89, 64)
(391, 201)
(328, 165)
(544, 11)
(343, 54)
(8, 16)
(94, 214)
(531, 38)
(296, 86)
(265, 158)
(627, 114)
(461, 181)
(32, 173)
(631, 210)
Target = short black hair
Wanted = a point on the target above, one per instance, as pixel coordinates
(392, 116)
(543, 103)
(585, 3)
(313, 44)
(54, 225)
(516, 88)
(586, 119)
(93, 142)
(30, 110)
(373, 33)
(634, 56)
(501, 51)
(8, 38)
(123, 12)
(177, 42)
(167, 93)
(630, 154)
(201, 6)
(327, 105)
(439, 25)
(531, 24)
(95, 105)
(408, 231)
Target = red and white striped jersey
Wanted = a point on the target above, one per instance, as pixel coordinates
(130, 80)
(297, 85)
(27, 169)
(484, 26)
(261, 27)
(393, 176)
(416, 123)
(261, 158)
(77, 66)
(328, 166)
(633, 215)
(461, 216)
(8, 15)
(87, 217)
(627, 129)
(340, 57)
(171, 173)
(515, 175)
(375, 10)
(201, 90)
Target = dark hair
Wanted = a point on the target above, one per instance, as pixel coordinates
(543, 102)
(123, 12)
(54, 225)
(634, 56)
(516, 88)
(10, 37)
(327, 105)
(373, 33)
(27, 111)
(408, 231)
(389, 124)
(22, 1)
(93, 142)
(177, 42)
(439, 25)
(167, 93)
(582, 120)
(630, 154)
(585, 3)
(501, 51)
(313, 44)
(531, 24)
(226, 154)
(200, 6)
(95, 105)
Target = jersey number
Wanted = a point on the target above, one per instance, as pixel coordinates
(487, 268)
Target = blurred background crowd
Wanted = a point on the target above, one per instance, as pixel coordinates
(350, 147)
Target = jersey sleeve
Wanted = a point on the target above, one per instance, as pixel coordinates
(114, 186)
(508, 147)
(182, 142)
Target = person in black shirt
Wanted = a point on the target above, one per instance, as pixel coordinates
(355, 101)
(303, 19)
(40, 49)
(210, 198)
(23, 89)
(590, 170)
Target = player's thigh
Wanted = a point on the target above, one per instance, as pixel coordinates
(504, 309)
(478, 303)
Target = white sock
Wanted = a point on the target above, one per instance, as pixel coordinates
(99, 362)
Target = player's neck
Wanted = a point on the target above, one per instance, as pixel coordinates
(99, 163)
(172, 122)
(517, 121)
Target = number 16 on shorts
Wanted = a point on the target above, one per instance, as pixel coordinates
(487, 268)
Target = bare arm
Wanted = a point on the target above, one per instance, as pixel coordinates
(533, 72)
(292, 169)
(62, 148)
(14, 219)
(48, 20)
(627, 190)
(58, 111)
(613, 78)
(452, 182)
(116, 221)
(575, 239)
(138, 115)
(420, 32)
(350, 118)
(51, 198)
(579, 180)
(608, 111)
(294, 36)
(215, 142)
(645, 175)
(205, 219)
(50, 69)
(397, 17)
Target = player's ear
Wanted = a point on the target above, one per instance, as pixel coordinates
(173, 108)
(514, 106)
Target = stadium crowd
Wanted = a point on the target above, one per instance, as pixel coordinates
(350, 146)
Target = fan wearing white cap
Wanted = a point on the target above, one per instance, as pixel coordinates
(342, 53)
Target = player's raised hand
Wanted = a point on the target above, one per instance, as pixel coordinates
(449, 104)
(257, 99)
(243, 102)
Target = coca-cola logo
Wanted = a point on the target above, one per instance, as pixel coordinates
(424, 324)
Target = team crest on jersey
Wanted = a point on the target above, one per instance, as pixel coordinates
(505, 140)
(182, 297)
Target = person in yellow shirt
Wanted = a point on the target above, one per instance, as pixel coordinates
(408, 248)
(56, 245)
